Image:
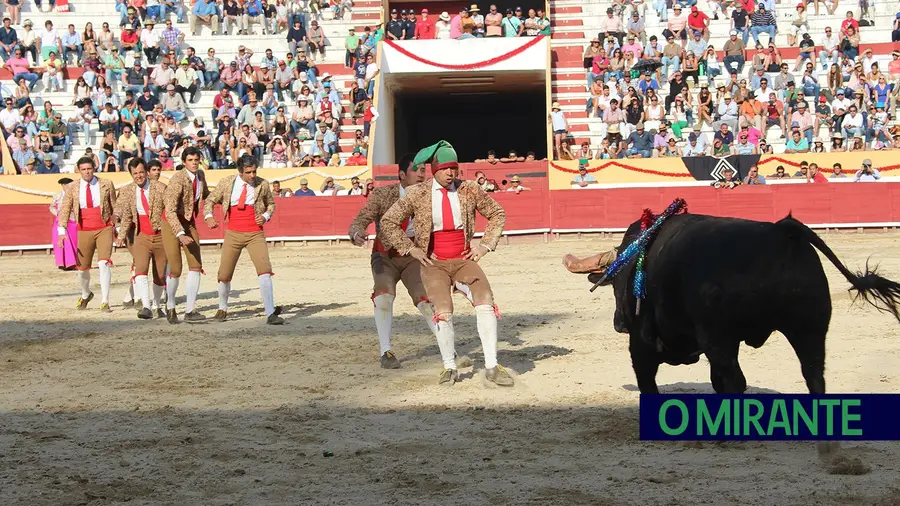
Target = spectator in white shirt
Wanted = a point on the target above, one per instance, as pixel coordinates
(867, 172)
(150, 42)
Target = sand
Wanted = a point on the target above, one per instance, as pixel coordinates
(107, 409)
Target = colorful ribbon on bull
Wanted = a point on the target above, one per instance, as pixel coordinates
(638, 249)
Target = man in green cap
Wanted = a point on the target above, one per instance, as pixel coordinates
(443, 213)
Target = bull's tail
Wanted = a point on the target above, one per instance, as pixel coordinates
(880, 292)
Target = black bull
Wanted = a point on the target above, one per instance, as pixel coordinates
(713, 283)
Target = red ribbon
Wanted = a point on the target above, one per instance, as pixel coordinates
(467, 66)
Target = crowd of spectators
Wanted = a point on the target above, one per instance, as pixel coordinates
(467, 23)
(135, 91)
(831, 97)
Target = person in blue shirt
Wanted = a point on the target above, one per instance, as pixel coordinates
(206, 13)
(8, 39)
(648, 83)
(304, 190)
(47, 167)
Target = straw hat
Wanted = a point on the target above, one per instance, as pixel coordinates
(444, 16)
(554, 106)
(474, 8)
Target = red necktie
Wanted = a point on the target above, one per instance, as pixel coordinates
(242, 200)
(447, 211)
(89, 200)
(146, 205)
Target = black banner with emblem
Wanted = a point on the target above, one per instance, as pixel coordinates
(710, 168)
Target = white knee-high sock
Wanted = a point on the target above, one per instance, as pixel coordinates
(171, 290)
(384, 319)
(129, 295)
(224, 290)
(105, 280)
(142, 290)
(446, 337)
(84, 279)
(267, 292)
(191, 290)
(157, 295)
(487, 330)
(427, 311)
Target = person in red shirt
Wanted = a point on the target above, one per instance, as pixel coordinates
(849, 21)
(813, 175)
(424, 27)
(356, 159)
(129, 40)
(699, 22)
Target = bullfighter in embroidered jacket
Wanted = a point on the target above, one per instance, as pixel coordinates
(443, 211)
(388, 266)
(247, 204)
(91, 200)
(184, 192)
(141, 209)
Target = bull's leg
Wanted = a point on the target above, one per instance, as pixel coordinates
(645, 364)
(810, 350)
(723, 364)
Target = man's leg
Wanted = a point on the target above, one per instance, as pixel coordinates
(437, 282)
(486, 312)
(159, 273)
(104, 261)
(259, 254)
(385, 275)
(84, 254)
(411, 276)
(140, 252)
(231, 253)
(173, 255)
(195, 264)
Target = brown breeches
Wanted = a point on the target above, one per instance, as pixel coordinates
(147, 246)
(89, 241)
(387, 271)
(173, 249)
(234, 244)
(440, 278)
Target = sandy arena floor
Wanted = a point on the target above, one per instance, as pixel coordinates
(106, 409)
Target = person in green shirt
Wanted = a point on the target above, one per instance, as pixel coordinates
(511, 24)
(543, 22)
(351, 43)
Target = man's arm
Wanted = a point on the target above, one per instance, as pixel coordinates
(265, 192)
(366, 216)
(126, 217)
(392, 234)
(215, 197)
(172, 196)
(494, 213)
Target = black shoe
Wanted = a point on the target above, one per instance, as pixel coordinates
(160, 313)
(128, 304)
(389, 361)
(194, 316)
(145, 314)
(172, 316)
(82, 302)
(274, 319)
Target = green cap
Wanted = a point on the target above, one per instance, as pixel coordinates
(440, 156)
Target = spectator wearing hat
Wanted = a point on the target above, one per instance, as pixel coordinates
(895, 31)
(128, 40)
(409, 26)
(394, 26)
(515, 185)
(636, 29)
(478, 21)
(315, 41)
(698, 22)
(150, 40)
(425, 27)
(611, 25)
(173, 103)
(867, 172)
(464, 22)
(28, 40)
(186, 80)
(734, 52)
(762, 21)
(442, 26)
(304, 190)
(47, 166)
(583, 178)
(558, 123)
(512, 25)
(640, 143)
(676, 26)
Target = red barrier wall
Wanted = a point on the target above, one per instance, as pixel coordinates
(832, 203)
(817, 204)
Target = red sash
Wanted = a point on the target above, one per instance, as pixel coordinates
(378, 246)
(91, 219)
(243, 220)
(144, 225)
(448, 244)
